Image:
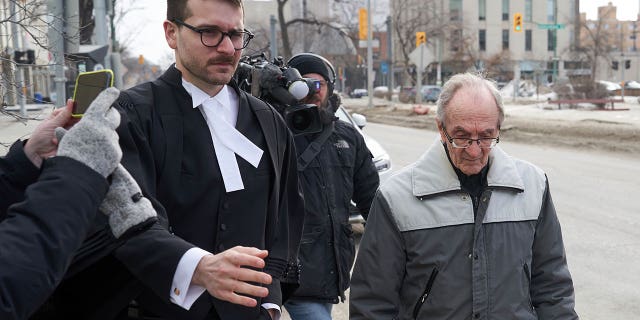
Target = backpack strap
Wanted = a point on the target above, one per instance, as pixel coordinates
(314, 147)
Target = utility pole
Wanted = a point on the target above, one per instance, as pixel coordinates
(115, 49)
(305, 43)
(440, 45)
(555, 41)
(15, 34)
(102, 37)
(72, 26)
(56, 40)
(369, 56)
(390, 55)
(273, 44)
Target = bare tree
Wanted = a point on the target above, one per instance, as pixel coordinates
(410, 16)
(31, 20)
(319, 26)
(597, 42)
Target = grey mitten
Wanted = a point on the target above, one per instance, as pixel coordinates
(124, 203)
(94, 141)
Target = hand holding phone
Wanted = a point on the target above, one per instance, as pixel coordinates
(88, 87)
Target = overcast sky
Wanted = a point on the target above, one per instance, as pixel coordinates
(144, 30)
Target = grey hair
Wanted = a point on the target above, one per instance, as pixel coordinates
(467, 80)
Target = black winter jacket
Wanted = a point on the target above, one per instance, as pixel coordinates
(38, 236)
(342, 171)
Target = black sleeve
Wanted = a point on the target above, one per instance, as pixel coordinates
(283, 252)
(161, 249)
(365, 179)
(16, 173)
(41, 233)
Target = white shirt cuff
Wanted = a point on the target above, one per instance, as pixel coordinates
(183, 293)
(273, 306)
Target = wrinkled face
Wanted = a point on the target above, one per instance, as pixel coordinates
(207, 68)
(319, 98)
(472, 113)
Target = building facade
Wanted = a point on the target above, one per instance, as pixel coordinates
(481, 35)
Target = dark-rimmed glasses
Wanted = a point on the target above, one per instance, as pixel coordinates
(463, 143)
(212, 37)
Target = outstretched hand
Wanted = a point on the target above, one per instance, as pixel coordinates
(43, 143)
(227, 276)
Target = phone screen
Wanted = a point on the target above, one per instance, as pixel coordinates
(88, 87)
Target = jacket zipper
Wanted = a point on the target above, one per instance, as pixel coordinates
(528, 275)
(425, 294)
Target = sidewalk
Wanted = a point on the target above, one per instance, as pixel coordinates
(12, 129)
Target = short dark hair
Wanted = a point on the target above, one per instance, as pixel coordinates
(177, 9)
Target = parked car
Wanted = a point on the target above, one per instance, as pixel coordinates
(381, 158)
(358, 93)
(430, 93)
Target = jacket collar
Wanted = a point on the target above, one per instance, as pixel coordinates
(433, 173)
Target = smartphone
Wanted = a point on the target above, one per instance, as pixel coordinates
(88, 87)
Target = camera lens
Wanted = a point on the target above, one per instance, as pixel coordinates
(301, 120)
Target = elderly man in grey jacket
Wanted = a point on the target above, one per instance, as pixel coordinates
(466, 232)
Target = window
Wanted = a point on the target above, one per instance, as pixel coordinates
(456, 39)
(482, 40)
(527, 40)
(550, 40)
(528, 11)
(505, 39)
(455, 10)
(551, 11)
(482, 10)
(505, 10)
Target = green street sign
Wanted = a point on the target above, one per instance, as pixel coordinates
(551, 26)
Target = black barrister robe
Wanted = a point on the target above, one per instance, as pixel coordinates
(167, 147)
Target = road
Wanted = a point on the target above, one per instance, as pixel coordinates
(593, 193)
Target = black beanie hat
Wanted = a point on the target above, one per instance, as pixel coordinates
(311, 63)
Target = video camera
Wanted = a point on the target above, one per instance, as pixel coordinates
(283, 87)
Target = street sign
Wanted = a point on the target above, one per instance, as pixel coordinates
(423, 52)
(363, 24)
(547, 26)
(384, 68)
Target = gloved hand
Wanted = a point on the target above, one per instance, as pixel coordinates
(94, 141)
(124, 203)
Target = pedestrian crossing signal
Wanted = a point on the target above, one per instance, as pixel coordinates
(421, 37)
(517, 22)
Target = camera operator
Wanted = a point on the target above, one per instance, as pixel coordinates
(335, 167)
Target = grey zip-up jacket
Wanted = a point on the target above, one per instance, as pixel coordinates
(424, 256)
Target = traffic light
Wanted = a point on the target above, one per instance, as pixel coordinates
(517, 22)
(421, 37)
(614, 65)
(362, 24)
(627, 64)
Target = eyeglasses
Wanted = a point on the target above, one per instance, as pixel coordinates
(463, 143)
(212, 37)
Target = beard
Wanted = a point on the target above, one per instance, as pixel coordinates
(326, 112)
